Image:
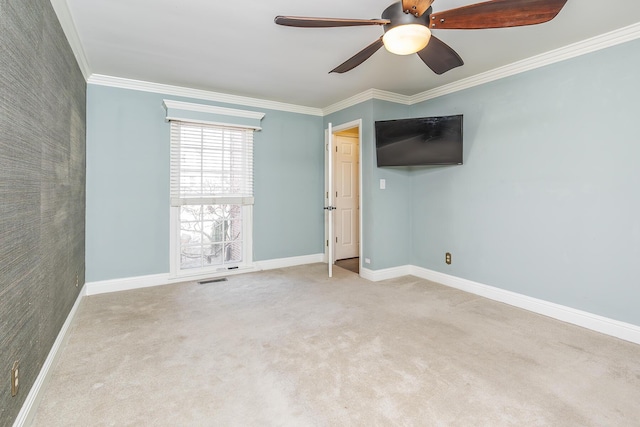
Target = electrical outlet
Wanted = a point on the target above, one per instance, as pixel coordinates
(77, 280)
(15, 381)
(447, 258)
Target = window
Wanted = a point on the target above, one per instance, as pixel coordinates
(211, 196)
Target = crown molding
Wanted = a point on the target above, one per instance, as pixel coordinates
(349, 102)
(122, 83)
(583, 47)
(63, 13)
(367, 95)
(398, 98)
(593, 44)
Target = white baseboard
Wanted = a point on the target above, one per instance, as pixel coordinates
(30, 405)
(289, 262)
(605, 325)
(129, 283)
(385, 274)
(126, 284)
(139, 282)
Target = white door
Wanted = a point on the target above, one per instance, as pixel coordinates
(346, 197)
(329, 200)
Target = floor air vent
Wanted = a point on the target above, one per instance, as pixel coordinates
(204, 282)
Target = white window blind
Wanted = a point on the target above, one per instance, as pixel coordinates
(211, 164)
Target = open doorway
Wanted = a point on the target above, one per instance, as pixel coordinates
(346, 173)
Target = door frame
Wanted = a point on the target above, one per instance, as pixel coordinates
(337, 129)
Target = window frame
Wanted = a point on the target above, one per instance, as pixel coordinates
(175, 246)
(212, 271)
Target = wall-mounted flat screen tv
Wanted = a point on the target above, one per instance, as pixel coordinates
(420, 141)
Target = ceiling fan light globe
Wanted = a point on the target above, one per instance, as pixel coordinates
(406, 39)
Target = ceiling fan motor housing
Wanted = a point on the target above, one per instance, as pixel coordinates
(397, 16)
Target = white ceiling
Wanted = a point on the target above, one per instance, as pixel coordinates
(235, 48)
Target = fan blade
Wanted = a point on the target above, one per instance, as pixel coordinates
(498, 14)
(358, 58)
(439, 56)
(306, 22)
(416, 7)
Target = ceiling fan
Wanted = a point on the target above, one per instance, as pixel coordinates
(407, 26)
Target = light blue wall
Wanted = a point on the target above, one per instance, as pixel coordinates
(547, 203)
(385, 213)
(289, 186)
(127, 215)
(390, 209)
(127, 230)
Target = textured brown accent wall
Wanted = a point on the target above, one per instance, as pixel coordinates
(42, 190)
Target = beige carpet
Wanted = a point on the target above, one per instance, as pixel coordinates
(290, 347)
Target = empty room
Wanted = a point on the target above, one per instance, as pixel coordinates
(332, 213)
